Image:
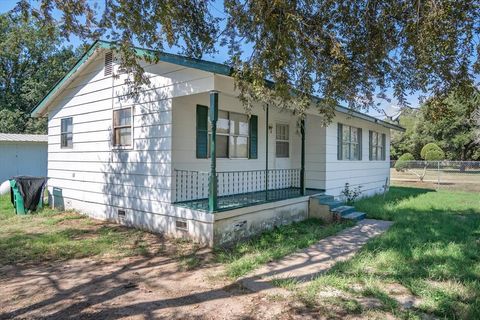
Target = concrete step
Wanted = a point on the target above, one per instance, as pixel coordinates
(323, 198)
(357, 216)
(343, 210)
(332, 204)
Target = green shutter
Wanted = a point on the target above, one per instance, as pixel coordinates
(253, 154)
(202, 132)
(360, 144)
(370, 146)
(339, 141)
(384, 144)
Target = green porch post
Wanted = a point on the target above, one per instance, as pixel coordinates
(302, 160)
(212, 186)
(266, 152)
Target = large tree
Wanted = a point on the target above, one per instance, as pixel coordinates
(31, 61)
(343, 51)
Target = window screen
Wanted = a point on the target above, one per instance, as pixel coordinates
(282, 141)
(122, 127)
(66, 134)
(233, 131)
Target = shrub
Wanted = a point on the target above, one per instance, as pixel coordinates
(351, 194)
(432, 152)
(402, 163)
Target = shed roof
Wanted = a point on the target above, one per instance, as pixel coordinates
(15, 137)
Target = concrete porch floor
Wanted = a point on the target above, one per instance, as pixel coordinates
(235, 201)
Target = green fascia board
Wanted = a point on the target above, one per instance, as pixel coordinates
(199, 64)
(65, 78)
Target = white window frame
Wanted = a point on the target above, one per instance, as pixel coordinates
(282, 140)
(117, 146)
(376, 149)
(351, 143)
(65, 132)
(228, 135)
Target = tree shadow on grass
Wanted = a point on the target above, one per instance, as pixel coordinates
(26, 249)
(425, 248)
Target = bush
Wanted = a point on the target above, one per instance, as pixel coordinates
(432, 152)
(402, 163)
(351, 194)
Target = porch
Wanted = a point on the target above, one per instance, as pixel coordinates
(240, 151)
(237, 189)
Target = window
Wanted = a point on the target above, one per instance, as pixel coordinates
(377, 146)
(233, 130)
(349, 143)
(122, 127)
(66, 133)
(282, 141)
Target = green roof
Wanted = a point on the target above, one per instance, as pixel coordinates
(199, 64)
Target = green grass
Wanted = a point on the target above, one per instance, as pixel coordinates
(432, 250)
(273, 245)
(50, 235)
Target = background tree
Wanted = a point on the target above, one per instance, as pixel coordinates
(432, 152)
(405, 142)
(343, 51)
(451, 122)
(31, 61)
(403, 161)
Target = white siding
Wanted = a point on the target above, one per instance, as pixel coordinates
(315, 140)
(22, 158)
(97, 179)
(370, 175)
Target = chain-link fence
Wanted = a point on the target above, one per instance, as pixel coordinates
(460, 175)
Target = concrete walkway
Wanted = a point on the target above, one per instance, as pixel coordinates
(304, 266)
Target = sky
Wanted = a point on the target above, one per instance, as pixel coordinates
(222, 56)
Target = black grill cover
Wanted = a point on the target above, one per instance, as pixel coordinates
(31, 189)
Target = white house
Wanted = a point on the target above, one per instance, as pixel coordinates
(22, 154)
(146, 160)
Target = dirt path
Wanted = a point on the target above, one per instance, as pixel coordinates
(154, 288)
(134, 288)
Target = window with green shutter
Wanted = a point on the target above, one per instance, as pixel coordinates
(202, 132)
(237, 135)
(253, 137)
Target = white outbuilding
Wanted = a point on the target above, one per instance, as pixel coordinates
(23, 154)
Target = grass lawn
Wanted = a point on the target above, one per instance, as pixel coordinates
(50, 235)
(430, 254)
(273, 245)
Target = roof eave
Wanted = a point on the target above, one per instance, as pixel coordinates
(141, 52)
(369, 118)
(207, 66)
(39, 108)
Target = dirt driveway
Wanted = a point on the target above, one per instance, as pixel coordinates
(131, 288)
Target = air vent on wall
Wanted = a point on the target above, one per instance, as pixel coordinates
(108, 63)
(181, 224)
(121, 214)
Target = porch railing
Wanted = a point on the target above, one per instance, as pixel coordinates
(248, 185)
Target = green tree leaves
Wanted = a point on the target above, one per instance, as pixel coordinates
(432, 152)
(31, 61)
(451, 121)
(343, 51)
